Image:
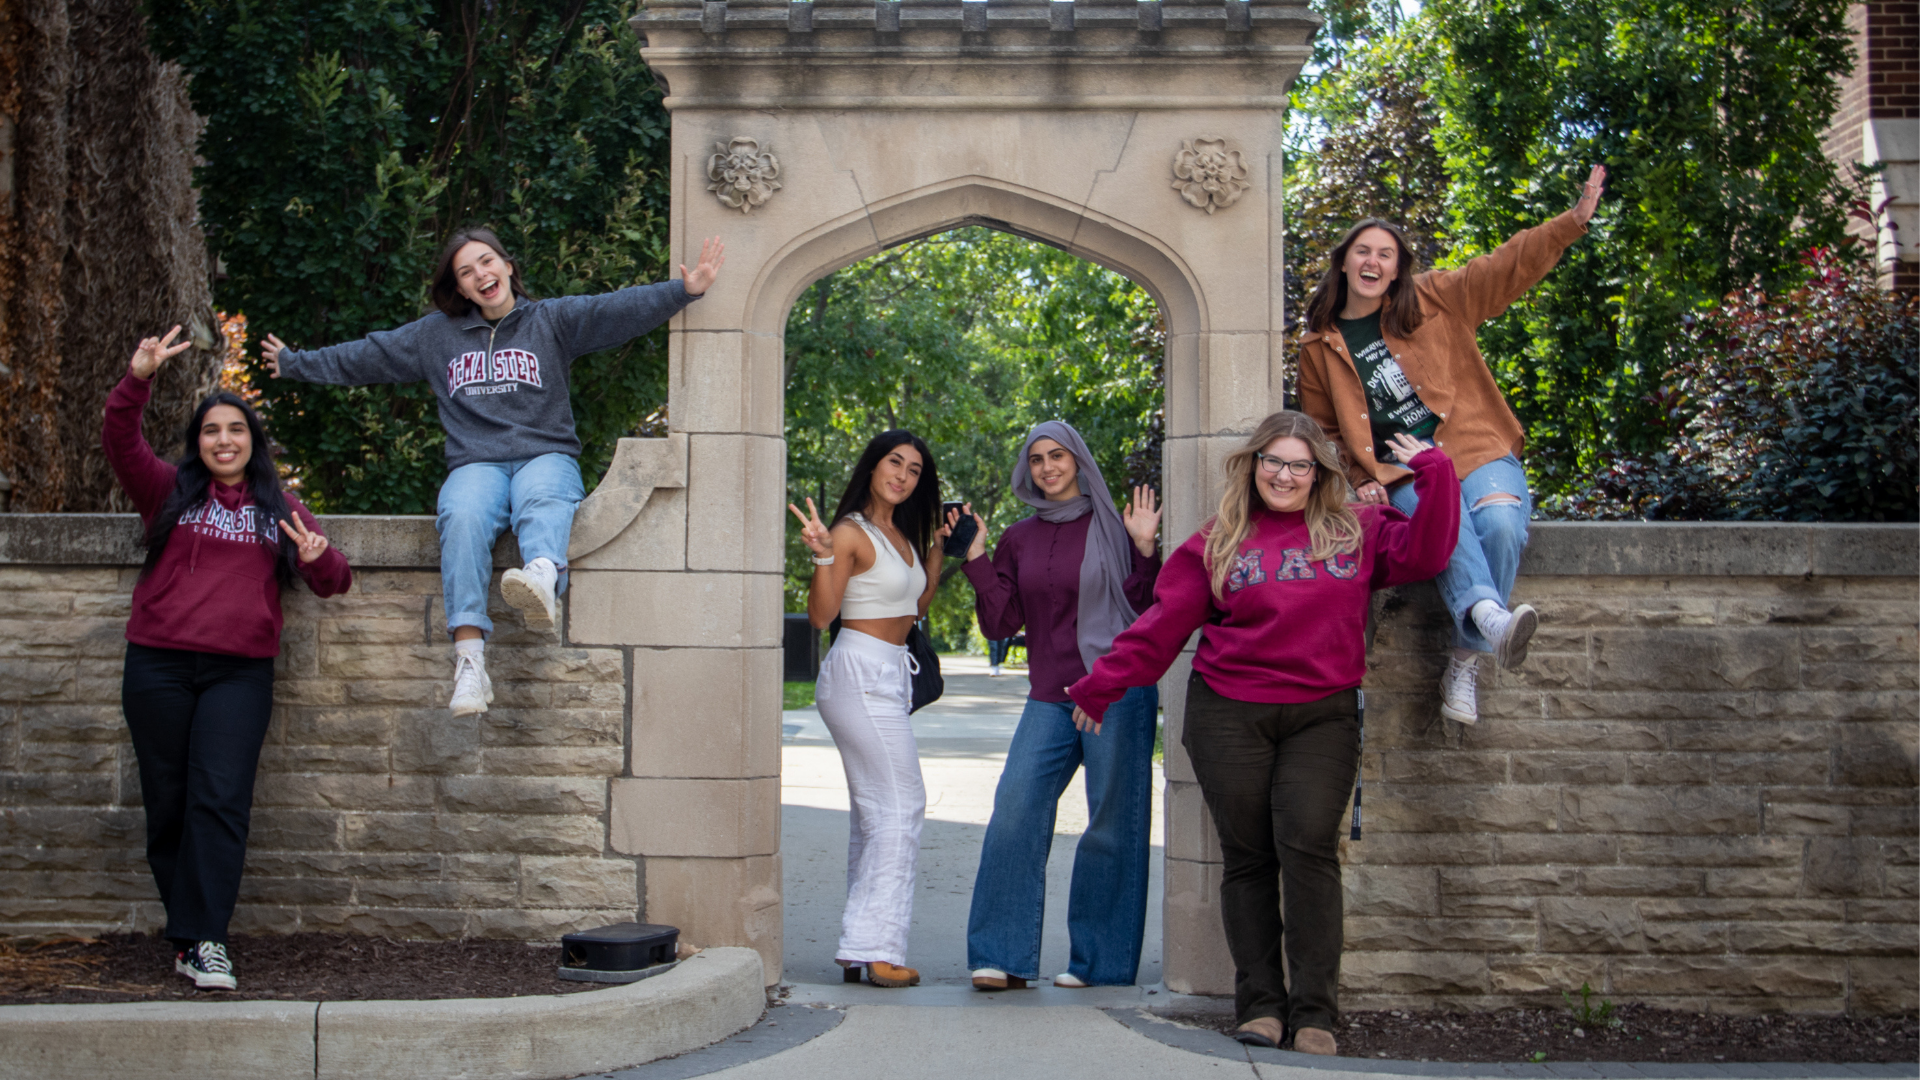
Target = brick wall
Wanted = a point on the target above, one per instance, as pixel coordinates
(375, 812)
(1842, 141)
(1698, 792)
(1883, 86)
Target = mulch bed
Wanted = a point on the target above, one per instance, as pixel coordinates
(1640, 1034)
(293, 967)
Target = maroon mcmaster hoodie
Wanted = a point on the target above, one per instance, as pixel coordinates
(1289, 630)
(214, 588)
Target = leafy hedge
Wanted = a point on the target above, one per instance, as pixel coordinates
(1795, 407)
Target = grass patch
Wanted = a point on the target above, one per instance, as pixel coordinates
(796, 695)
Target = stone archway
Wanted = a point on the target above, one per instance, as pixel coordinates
(1143, 136)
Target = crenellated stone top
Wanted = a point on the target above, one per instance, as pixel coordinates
(845, 54)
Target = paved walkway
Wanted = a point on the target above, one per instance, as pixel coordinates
(933, 1033)
(963, 745)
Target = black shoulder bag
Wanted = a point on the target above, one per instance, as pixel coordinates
(922, 662)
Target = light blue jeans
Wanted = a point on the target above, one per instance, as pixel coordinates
(1107, 903)
(1492, 539)
(536, 496)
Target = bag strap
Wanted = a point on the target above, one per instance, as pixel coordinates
(1360, 717)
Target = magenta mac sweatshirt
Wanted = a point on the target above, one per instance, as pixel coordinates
(214, 588)
(1289, 630)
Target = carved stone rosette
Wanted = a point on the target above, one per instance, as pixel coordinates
(741, 175)
(1209, 175)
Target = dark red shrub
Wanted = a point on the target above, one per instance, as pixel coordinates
(1802, 407)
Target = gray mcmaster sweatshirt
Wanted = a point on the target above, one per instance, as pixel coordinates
(502, 391)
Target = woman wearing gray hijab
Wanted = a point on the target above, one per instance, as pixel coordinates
(1073, 575)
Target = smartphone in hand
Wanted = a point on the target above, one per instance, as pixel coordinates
(962, 537)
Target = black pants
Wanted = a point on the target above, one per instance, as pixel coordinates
(1276, 779)
(198, 720)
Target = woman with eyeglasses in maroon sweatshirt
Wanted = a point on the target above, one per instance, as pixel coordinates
(1278, 583)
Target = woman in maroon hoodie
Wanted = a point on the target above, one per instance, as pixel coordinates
(222, 539)
(1280, 581)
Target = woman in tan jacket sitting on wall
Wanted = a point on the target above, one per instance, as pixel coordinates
(1389, 351)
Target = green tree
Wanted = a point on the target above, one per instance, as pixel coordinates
(968, 338)
(1376, 159)
(1708, 115)
(344, 140)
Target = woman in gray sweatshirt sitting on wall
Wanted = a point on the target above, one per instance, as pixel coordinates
(498, 361)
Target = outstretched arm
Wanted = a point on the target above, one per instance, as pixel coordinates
(384, 356)
(1485, 286)
(1183, 598)
(601, 321)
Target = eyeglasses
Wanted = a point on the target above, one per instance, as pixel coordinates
(1272, 465)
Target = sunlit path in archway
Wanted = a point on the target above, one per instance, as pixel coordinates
(963, 744)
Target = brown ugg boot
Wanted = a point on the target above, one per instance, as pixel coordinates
(1264, 1031)
(881, 973)
(1315, 1041)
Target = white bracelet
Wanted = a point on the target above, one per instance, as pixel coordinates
(818, 561)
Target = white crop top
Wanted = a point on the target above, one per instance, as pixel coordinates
(889, 588)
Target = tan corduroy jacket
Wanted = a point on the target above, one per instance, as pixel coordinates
(1442, 359)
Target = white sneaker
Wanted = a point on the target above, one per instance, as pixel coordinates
(1070, 981)
(472, 690)
(531, 590)
(995, 979)
(1459, 700)
(1507, 631)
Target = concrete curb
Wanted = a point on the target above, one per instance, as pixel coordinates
(158, 1040)
(707, 998)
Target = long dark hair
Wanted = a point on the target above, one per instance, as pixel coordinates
(193, 487)
(1401, 316)
(917, 518)
(446, 287)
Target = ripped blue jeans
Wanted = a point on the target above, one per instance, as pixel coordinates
(1492, 538)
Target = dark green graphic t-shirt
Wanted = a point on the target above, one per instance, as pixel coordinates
(1391, 403)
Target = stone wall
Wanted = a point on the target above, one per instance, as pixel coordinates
(1698, 792)
(376, 812)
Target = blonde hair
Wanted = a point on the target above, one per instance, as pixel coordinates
(1332, 527)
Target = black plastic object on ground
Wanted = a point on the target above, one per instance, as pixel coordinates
(620, 953)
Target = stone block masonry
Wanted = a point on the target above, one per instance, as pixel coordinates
(1699, 792)
(375, 811)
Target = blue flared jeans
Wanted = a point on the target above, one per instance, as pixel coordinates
(1107, 903)
(1492, 539)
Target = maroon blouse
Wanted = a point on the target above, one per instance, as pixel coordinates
(1033, 580)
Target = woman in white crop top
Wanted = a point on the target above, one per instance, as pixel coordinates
(875, 569)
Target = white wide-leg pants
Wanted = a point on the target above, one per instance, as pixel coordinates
(864, 695)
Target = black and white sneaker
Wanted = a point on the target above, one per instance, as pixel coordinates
(206, 963)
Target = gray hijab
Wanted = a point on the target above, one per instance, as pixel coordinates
(1104, 610)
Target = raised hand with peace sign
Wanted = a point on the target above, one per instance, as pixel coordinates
(309, 542)
(156, 351)
(814, 533)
